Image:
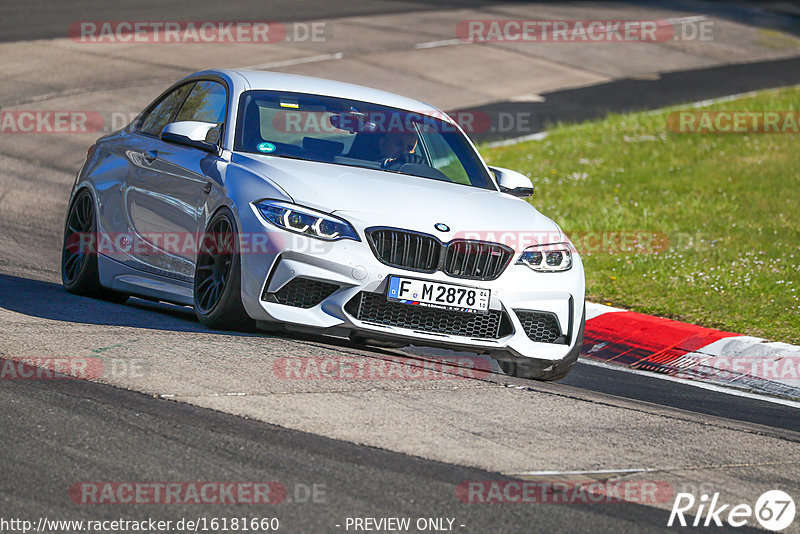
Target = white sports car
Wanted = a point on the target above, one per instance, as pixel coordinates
(280, 201)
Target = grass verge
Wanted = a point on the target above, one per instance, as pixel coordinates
(727, 207)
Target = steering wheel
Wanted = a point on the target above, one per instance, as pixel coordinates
(395, 163)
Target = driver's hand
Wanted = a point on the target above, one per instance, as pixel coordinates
(403, 158)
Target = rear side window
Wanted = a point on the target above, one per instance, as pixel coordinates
(206, 103)
(159, 116)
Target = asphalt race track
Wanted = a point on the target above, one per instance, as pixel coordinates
(165, 440)
(188, 404)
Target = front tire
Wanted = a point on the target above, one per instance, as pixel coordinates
(218, 277)
(79, 271)
(539, 370)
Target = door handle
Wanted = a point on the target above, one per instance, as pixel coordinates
(150, 156)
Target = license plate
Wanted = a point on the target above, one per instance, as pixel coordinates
(437, 295)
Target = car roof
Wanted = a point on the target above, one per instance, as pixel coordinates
(278, 81)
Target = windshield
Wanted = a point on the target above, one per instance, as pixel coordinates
(351, 132)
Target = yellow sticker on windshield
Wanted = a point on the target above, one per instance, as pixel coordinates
(290, 104)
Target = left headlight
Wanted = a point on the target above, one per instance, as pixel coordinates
(305, 221)
(547, 258)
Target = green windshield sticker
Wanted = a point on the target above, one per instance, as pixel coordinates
(265, 147)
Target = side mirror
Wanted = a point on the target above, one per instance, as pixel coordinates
(513, 182)
(191, 133)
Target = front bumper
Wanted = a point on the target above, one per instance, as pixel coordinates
(518, 294)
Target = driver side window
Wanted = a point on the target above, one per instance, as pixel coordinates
(154, 120)
(206, 103)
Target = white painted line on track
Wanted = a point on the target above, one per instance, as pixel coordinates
(646, 469)
(595, 310)
(720, 100)
(693, 383)
(538, 136)
(686, 20)
(436, 44)
(597, 472)
(295, 61)
(226, 394)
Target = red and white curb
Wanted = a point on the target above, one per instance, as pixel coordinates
(688, 352)
(693, 355)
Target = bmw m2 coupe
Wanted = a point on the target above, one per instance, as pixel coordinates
(288, 202)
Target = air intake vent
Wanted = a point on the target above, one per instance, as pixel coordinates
(541, 327)
(375, 308)
(301, 293)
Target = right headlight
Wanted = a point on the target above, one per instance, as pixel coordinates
(547, 258)
(305, 221)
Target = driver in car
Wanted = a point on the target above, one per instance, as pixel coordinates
(398, 148)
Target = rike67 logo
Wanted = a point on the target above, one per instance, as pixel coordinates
(774, 510)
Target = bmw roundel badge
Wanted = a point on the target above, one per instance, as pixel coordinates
(442, 227)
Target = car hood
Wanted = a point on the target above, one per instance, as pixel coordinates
(368, 197)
